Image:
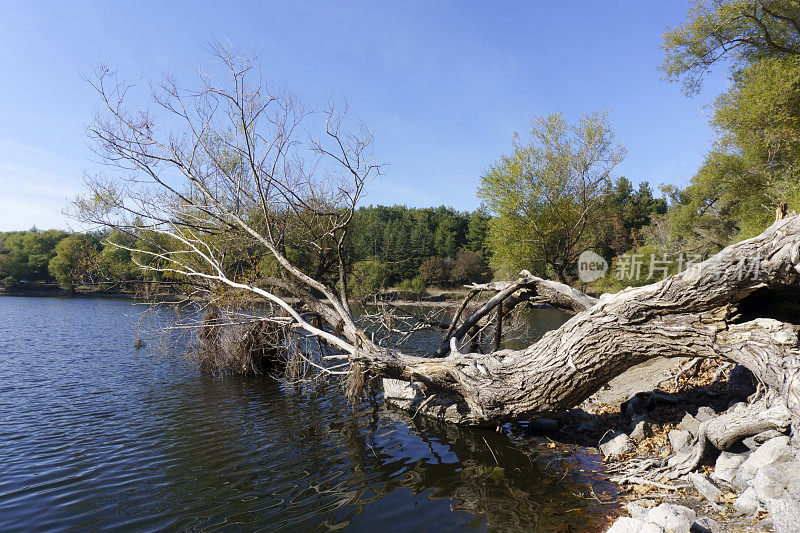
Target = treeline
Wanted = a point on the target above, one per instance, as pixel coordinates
(555, 195)
(389, 245)
(69, 259)
(417, 247)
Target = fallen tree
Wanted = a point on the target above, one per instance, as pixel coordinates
(226, 178)
(732, 306)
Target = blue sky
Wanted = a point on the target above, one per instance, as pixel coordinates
(443, 85)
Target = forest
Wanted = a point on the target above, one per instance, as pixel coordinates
(391, 246)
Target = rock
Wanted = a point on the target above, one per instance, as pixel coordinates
(679, 438)
(785, 514)
(747, 502)
(672, 517)
(726, 466)
(649, 527)
(705, 413)
(633, 525)
(590, 426)
(636, 510)
(615, 444)
(757, 440)
(679, 457)
(569, 417)
(705, 487)
(690, 424)
(735, 407)
(544, 425)
(642, 428)
(636, 405)
(706, 525)
(765, 524)
(772, 451)
(768, 483)
(791, 476)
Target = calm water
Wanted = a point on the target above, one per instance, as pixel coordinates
(96, 435)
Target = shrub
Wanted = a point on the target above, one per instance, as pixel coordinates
(368, 277)
(433, 270)
(470, 267)
(416, 285)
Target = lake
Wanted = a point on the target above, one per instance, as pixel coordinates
(95, 434)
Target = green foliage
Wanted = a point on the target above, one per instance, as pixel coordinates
(478, 231)
(76, 260)
(25, 255)
(414, 285)
(547, 193)
(739, 31)
(116, 264)
(403, 238)
(755, 163)
(625, 212)
(368, 277)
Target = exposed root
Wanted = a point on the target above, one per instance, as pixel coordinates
(689, 370)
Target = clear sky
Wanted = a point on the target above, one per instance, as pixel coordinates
(443, 85)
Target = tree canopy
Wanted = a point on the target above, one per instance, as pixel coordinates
(740, 32)
(546, 193)
(754, 162)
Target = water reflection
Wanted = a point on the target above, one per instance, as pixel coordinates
(96, 436)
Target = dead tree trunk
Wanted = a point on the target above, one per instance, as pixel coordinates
(740, 305)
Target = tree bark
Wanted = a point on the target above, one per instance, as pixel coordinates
(713, 310)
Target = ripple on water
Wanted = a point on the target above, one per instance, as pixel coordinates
(96, 435)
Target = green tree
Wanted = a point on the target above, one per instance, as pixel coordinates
(26, 254)
(755, 164)
(740, 32)
(626, 211)
(477, 231)
(76, 260)
(369, 277)
(546, 194)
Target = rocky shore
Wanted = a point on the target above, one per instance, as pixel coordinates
(650, 419)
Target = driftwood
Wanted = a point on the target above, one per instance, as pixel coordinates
(728, 307)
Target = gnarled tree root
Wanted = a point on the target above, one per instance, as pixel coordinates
(726, 430)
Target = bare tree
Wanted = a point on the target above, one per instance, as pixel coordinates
(233, 170)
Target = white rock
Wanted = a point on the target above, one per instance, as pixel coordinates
(726, 466)
(679, 438)
(633, 525)
(772, 451)
(768, 483)
(636, 510)
(642, 428)
(705, 413)
(791, 475)
(675, 518)
(747, 502)
(785, 514)
(690, 424)
(616, 444)
(705, 487)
